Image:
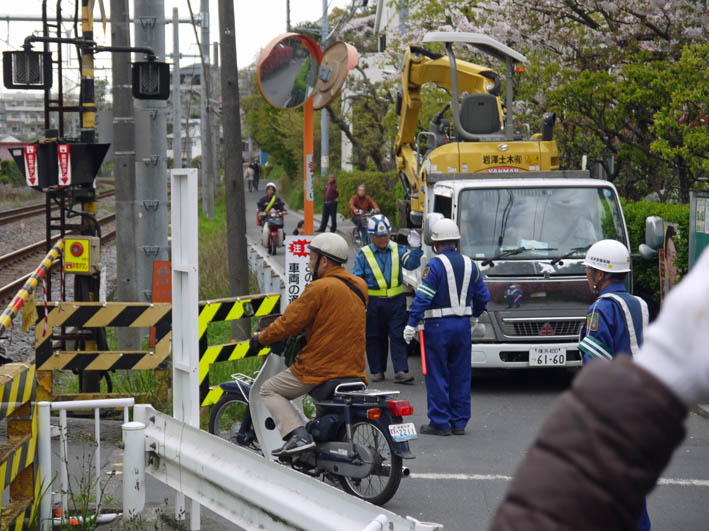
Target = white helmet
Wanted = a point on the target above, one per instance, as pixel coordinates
(445, 229)
(378, 225)
(610, 256)
(331, 245)
(275, 188)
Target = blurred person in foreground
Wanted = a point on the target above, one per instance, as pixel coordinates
(610, 436)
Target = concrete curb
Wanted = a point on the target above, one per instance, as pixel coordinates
(702, 410)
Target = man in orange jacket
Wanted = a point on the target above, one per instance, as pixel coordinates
(332, 310)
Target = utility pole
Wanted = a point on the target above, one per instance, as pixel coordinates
(124, 156)
(150, 206)
(205, 129)
(233, 169)
(176, 94)
(324, 122)
(214, 106)
(288, 16)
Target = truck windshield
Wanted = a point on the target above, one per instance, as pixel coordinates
(545, 222)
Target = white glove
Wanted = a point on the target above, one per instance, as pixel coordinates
(674, 348)
(414, 239)
(409, 333)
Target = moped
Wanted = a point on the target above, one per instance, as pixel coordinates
(360, 434)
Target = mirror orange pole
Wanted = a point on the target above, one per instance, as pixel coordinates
(308, 166)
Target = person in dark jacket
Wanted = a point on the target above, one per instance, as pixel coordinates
(594, 461)
(329, 207)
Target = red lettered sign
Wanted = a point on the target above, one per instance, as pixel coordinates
(31, 165)
(64, 162)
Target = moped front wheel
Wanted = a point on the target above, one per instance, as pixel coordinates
(378, 487)
(225, 421)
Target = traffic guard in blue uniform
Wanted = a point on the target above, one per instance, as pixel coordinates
(379, 264)
(616, 320)
(451, 291)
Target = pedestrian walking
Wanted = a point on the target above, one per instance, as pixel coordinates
(257, 173)
(249, 177)
(380, 265)
(451, 291)
(329, 207)
(616, 320)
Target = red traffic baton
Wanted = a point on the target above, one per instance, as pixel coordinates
(423, 353)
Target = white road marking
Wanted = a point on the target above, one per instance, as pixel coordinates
(679, 482)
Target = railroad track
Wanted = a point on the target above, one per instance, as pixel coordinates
(16, 214)
(24, 261)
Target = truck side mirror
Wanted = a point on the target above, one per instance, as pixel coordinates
(429, 222)
(654, 232)
(151, 80)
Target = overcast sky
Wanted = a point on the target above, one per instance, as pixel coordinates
(257, 22)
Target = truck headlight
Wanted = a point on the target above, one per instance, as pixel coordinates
(481, 328)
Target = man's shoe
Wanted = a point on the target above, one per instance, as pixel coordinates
(458, 431)
(402, 377)
(427, 429)
(320, 230)
(299, 441)
(378, 377)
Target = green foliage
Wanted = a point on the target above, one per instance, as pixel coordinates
(646, 274)
(10, 173)
(381, 186)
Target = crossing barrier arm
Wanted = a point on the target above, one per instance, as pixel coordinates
(247, 489)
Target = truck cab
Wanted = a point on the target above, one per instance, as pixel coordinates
(528, 236)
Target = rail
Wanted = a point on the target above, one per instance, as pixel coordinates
(16, 214)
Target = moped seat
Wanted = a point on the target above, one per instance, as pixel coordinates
(326, 390)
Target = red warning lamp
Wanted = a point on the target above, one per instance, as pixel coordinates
(77, 249)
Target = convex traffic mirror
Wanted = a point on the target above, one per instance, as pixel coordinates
(288, 70)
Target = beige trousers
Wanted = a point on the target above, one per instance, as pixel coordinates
(277, 392)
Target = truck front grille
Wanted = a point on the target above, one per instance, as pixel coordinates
(536, 328)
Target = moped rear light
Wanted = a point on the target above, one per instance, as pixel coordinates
(374, 413)
(400, 408)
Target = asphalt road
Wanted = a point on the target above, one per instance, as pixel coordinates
(460, 480)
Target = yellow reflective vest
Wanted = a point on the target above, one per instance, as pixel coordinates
(394, 288)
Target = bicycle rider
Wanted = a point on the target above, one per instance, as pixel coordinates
(360, 205)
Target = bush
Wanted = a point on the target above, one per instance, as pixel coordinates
(646, 274)
(10, 173)
(383, 187)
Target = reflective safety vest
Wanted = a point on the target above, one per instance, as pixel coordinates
(394, 289)
(458, 306)
(269, 206)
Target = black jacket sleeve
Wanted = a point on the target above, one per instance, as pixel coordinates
(598, 455)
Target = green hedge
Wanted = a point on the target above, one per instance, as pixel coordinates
(646, 274)
(380, 186)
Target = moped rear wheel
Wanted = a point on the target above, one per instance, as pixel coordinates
(379, 487)
(225, 420)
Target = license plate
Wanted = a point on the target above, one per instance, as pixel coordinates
(402, 432)
(547, 357)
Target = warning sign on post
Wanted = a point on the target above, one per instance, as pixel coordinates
(64, 163)
(31, 165)
(298, 273)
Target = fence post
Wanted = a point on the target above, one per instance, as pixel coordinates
(133, 469)
(44, 458)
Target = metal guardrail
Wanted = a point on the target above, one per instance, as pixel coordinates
(239, 485)
(269, 273)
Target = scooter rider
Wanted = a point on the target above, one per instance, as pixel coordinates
(264, 205)
(380, 265)
(450, 284)
(332, 310)
(616, 320)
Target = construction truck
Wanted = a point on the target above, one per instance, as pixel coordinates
(526, 223)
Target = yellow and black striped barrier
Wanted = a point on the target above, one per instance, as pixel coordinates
(228, 310)
(17, 388)
(99, 315)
